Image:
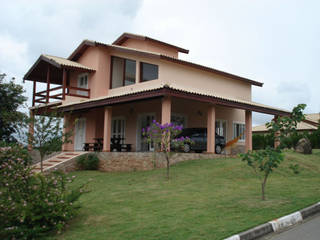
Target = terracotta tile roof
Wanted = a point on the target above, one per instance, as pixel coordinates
(314, 117)
(120, 40)
(66, 62)
(185, 89)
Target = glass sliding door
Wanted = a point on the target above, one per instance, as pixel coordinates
(221, 128)
(144, 121)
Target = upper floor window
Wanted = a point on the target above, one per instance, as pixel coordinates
(123, 72)
(82, 83)
(148, 72)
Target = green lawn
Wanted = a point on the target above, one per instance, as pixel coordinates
(204, 199)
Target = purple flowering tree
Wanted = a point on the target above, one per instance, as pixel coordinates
(163, 137)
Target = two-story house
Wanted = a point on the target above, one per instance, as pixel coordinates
(117, 89)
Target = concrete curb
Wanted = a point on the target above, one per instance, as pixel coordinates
(277, 224)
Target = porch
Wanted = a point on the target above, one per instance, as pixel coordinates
(125, 122)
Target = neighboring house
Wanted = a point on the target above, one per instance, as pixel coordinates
(115, 90)
(310, 124)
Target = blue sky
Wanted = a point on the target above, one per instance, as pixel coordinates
(272, 41)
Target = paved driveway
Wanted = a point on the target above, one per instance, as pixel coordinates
(308, 230)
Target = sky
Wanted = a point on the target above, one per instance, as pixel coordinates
(272, 41)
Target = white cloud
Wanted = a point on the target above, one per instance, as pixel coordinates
(13, 55)
(275, 42)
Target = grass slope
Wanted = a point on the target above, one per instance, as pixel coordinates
(204, 199)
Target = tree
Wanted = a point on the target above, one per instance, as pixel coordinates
(263, 162)
(31, 205)
(48, 135)
(162, 136)
(12, 121)
(282, 127)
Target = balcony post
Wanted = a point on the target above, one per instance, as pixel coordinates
(48, 84)
(34, 92)
(64, 83)
(31, 130)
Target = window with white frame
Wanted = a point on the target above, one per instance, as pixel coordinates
(118, 129)
(82, 83)
(238, 130)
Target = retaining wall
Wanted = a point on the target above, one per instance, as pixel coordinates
(142, 161)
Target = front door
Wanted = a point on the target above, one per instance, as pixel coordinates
(144, 121)
(80, 134)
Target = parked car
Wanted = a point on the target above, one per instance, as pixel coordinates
(199, 139)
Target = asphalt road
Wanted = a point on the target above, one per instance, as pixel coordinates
(307, 230)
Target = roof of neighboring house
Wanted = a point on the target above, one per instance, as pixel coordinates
(87, 43)
(125, 36)
(301, 126)
(173, 90)
(315, 117)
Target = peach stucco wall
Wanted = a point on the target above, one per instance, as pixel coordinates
(175, 75)
(97, 58)
(151, 47)
(195, 113)
(193, 79)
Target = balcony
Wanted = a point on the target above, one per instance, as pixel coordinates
(51, 70)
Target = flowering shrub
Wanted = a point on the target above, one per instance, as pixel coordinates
(162, 136)
(32, 204)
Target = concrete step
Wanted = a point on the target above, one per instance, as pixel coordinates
(63, 157)
(55, 160)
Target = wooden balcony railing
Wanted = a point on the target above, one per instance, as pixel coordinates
(44, 96)
(78, 92)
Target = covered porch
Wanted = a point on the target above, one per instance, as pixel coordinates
(124, 117)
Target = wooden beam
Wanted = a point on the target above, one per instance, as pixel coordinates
(48, 84)
(34, 92)
(64, 83)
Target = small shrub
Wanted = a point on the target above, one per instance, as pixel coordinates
(88, 162)
(32, 204)
(262, 141)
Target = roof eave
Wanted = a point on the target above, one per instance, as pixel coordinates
(166, 90)
(125, 36)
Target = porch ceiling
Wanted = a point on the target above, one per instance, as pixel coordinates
(175, 92)
(38, 72)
